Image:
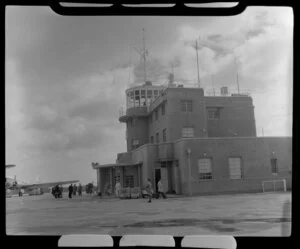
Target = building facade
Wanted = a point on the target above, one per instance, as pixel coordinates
(194, 143)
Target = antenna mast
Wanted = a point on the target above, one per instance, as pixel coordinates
(237, 76)
(144, 56)
(197, 64)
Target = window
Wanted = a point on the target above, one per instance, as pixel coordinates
(213, 113)
(235, 169)
(155, 94)
(106, 173)
(187, 132)
(131, 99)
(205, 168)
(157, 137)
(163, 109)
(149, 97)
(129, 181)
(186, 105)
(143, 98)
(274, 166)
(137, 98)
(164, 135)
(152, 139)
(156, 114)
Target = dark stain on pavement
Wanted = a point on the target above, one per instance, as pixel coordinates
(220, 225)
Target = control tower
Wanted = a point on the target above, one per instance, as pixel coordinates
(138, 100)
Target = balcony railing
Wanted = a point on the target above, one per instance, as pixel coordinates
(230, 93)
(134, 111)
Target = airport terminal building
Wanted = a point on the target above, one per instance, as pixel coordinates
(196, 144)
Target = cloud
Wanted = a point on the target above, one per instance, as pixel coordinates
(66, 81)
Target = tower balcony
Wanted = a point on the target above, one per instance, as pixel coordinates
(125, 114)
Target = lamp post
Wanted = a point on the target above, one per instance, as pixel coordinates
(189, 151)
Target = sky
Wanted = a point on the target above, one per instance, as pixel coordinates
(65, 78)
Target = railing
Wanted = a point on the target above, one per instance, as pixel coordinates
(139, 111)
(230, 93)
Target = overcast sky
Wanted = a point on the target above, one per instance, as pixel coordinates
(66, 77)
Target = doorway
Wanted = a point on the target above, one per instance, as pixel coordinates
(157, 176)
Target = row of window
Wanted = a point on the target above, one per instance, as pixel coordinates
(157, 140)
(187, 106)
(141, 98)
(186, 132)
(235, 168)
(154, 116)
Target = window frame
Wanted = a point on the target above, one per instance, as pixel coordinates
(182, 133)
(165, 135)
(211, 169)
(156, 114)
(126, 184)
(276, 166)
(214, 111)
(163, 109)
(185, 104)
(241, 168)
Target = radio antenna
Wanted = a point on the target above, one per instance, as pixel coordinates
(197, 64)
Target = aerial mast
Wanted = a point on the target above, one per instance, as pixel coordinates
(144, 56)
(197, 64)
(237, 76)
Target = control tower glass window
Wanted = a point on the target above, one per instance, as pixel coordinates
(130, 100)
(149, 97)
(143, 98)
(137, 98)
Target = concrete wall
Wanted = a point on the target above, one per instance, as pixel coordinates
(147, 154)
(236, 116)
(138, 131)
(256, 167)
(174, 119)
(158, 125)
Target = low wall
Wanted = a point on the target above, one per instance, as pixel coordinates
(236, 185)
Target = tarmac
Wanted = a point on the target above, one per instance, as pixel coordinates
(263, 214)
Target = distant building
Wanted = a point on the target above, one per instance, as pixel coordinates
(170, 130)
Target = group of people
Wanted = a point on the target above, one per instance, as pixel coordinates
(149, 190)
(57, 191)
(73, 189)
(160, 190)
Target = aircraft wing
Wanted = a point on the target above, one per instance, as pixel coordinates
(45, 185)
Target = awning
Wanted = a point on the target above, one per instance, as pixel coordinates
(160, 160)
(98, 166)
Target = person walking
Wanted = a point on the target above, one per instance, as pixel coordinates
(149, 190)
(160, 189)
(118, 188)
(61, 190)
(74, 190)
(70, 191)
(79, 189)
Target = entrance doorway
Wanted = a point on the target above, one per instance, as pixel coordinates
(157, 176)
